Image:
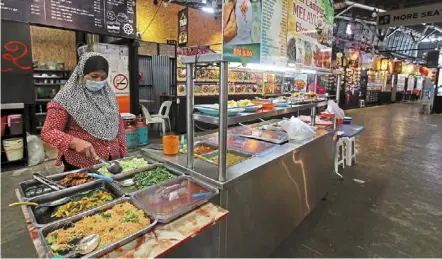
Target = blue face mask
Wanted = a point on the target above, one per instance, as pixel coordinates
(95, 85)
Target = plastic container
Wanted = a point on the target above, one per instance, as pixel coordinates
(15, 124)
(347, 120)
(268, 106)
(170, 145)
(4, 120)
(142, 131)
(13, 148)
(131, 136)
(167, 201)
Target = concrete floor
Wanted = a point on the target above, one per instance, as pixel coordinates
(397, 212)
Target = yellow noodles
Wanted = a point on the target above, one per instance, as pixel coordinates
(111, 225)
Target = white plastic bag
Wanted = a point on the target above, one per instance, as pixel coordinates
(332, 107)
(36, 151)
(297, 129)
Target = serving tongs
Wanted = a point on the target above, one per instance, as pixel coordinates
(48, 182)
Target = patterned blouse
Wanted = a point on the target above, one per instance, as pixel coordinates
(60, 128)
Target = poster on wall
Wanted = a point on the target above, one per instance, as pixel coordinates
(16, 65)
(109, 17)
(274, 32)
(310, 32)
(183, 27)
(242, 30)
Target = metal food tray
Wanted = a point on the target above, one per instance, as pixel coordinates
(246, 156)
(200, 142)
(149, 161)
(40, 214)
(109, 248)
(32, 183)
(166, 219)
(267, 146)
(124, 176)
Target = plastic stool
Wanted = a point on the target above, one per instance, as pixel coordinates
(339, 156)
(361, 103)
(350, 150)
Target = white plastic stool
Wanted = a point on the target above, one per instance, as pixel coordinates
(361, 103)
(350, 150)
(339, 156)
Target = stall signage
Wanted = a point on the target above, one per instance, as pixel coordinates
(171, 42)
(274, 32)
(242, 30)
(243, 52)
(183, 27)
(109, 17)
(310, 32)
(409, 16)
(16, 64)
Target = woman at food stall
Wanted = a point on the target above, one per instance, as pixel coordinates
(83, 120)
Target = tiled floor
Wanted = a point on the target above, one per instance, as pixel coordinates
(397, 212)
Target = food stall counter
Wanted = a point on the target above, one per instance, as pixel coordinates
(158, 242)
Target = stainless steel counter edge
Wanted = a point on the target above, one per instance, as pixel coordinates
(209, 172)
(244, 117)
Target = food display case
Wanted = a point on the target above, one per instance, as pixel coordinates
(292, 172)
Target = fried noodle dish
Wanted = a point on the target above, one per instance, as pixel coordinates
(111, 225)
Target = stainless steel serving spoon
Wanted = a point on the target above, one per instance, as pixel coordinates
(113, 167)
(85, 246)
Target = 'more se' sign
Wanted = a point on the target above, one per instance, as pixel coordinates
(409, 16)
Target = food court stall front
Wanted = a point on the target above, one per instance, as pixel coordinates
(269, 182)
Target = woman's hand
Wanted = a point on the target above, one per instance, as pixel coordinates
(83, 147)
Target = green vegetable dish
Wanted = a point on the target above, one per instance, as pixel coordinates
(151, 177)
(127, 165)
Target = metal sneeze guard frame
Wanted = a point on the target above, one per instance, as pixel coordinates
(190, 62)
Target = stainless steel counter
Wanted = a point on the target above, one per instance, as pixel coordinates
(209, 172)
(267, 196)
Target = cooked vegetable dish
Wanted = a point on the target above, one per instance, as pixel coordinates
(152, 177)
(75, 179)
(203, 149)
(127, 165)
(111, 225)
(73, 207)
(231, 158)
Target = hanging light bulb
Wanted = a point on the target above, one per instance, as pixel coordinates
(348, 30)
(374, 14)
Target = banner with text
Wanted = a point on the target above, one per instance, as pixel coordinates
(242, 30)
(310, 32)
(410, 16)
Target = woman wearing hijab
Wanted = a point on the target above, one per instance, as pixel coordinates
(83, 120)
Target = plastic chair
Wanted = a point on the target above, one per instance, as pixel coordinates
(339, 156)
(164, 111)
(361, 103)
(153, 120)
(350, 150)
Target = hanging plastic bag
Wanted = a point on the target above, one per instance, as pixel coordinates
(297, 129)
(332, 107)
(36, 151)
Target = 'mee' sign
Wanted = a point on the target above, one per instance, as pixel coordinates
(409, 16)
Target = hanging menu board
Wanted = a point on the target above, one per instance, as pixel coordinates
(109, 17)
(310, 31)
(274, 32)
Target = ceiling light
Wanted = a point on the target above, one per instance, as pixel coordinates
(203, 1)
(208, 9)
(374, 14)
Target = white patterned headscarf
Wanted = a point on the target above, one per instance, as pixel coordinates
(95, 112)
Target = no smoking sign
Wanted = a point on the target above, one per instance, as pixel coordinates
(120, 82)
